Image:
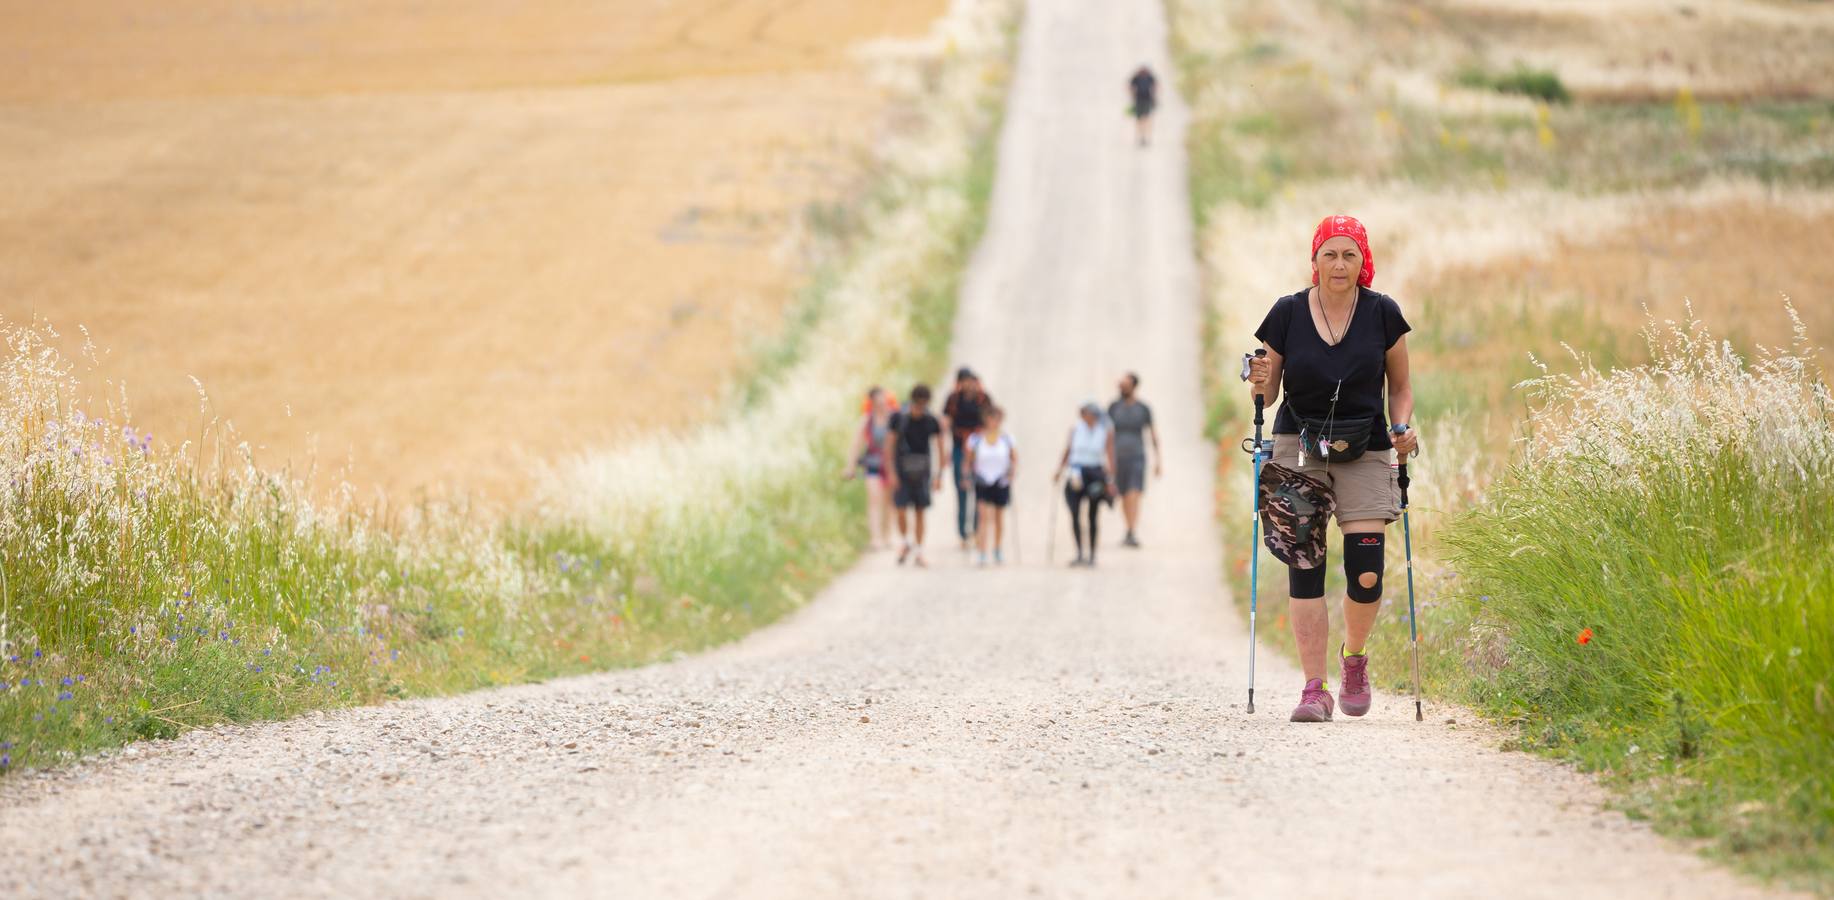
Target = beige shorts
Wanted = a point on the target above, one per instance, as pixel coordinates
(1366, 487)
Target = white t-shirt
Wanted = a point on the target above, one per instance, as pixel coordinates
(993, 463)
(1089, 444)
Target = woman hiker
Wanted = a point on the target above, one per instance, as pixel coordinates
(1089, 457)
(868, 456)
(993, 461)
(1334, 347)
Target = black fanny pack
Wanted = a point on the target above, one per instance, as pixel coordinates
(1337, 440)
(914, 465)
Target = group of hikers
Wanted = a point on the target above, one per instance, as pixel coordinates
(900, 453)
(1338, 351)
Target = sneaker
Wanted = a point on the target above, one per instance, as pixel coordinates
(982, 561)
(998, 559)
(1314, 703)
(1130, 540)
(1356, 693)
(904, 554)
(1078, 562)
(918, 562)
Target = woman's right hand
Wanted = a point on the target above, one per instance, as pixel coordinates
(1259, 369)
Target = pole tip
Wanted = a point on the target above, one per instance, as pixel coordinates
(1418, 715)
(1251, 701)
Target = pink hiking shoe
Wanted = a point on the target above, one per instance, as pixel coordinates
(1314, 703)
(1356, 694)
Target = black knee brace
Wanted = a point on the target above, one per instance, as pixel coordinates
(1362, 558)
(1305, 584)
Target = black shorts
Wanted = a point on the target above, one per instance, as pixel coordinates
(913, 491)
(999, 495)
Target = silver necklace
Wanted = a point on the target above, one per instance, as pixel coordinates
(1337, 337)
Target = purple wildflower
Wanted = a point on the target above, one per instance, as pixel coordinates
(65, 695)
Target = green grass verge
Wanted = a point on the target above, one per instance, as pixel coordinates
(144, 593)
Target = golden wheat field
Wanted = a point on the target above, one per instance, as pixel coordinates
(417, 245)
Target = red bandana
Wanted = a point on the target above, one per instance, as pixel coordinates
(1346, 226)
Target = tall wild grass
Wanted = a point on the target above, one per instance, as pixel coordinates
(1656, 574)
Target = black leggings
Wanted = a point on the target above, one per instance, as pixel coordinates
(1091, 494)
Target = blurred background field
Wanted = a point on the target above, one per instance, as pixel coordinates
(514, 285)
(1593, 214)
(425, 245)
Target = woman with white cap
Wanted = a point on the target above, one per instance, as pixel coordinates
(1089, 457)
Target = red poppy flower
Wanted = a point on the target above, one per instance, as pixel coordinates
(1585, 636)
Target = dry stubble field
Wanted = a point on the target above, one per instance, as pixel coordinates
(418, 245)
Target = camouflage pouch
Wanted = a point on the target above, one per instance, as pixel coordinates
(1294, 511)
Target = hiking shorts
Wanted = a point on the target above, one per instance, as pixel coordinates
(1130, 473)
(999, 495)
(1366, 487)
(912, 492)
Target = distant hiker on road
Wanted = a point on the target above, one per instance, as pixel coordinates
(1334, 347)
(1144, 89)
(915, 473)
(993, 460)
(1133, 424)
(963, 410)
(868, 455)
(1089, 457)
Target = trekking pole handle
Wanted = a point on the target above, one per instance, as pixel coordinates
(1260, 399)
(1401, 471)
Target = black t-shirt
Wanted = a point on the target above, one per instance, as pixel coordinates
(966, 414)
(1144, 86)
(915, 433)
(1314, 370)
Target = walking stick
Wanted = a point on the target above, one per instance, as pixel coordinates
(1013, 513)
(1050, 535)
(1260, 452)
(1407, 542)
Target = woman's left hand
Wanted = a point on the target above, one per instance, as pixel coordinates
(1407, 443)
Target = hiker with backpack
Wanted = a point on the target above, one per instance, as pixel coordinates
(963, 410)
(868, 455)
(1143, 90)
(1089, 458)
(1337, 348)
(915, 472)
(993, 460)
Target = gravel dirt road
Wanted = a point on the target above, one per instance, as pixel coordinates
(1032, 730)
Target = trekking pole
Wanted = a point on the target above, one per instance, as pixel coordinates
(1260, 454)
(1050, 534)
(1013, 514)
(1407, 542)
